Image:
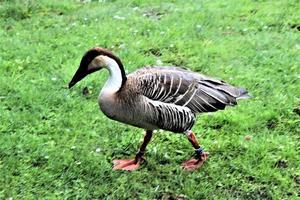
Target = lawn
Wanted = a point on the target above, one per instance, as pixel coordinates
(56, 144)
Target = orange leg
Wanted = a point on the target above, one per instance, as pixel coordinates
(134, 164)
(194, 164)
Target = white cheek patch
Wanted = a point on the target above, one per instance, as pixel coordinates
(97, 62)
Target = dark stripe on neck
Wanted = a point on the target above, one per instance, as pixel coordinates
(121, 67)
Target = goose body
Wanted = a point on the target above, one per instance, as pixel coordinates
(131, 106)
(166, 98)
(151, 98)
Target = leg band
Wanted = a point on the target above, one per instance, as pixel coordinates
(199, 152)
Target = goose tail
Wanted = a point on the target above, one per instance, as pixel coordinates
(243, 94)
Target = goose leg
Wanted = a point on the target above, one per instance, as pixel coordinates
(194, 164)
(133, 164)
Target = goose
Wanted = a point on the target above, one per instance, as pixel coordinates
(158, 97)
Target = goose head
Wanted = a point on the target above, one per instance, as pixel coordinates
(94, 60)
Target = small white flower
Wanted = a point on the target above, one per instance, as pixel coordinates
(159, 62)
(97, 150)
(119, 17)
(53, 78)
(122, 46)
(135, 32)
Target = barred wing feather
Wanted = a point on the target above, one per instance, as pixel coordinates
(186, 88)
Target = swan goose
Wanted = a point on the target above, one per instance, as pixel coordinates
(154, 98)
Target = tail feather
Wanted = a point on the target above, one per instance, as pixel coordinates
(243, 94)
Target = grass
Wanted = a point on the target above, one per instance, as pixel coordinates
(55, 144)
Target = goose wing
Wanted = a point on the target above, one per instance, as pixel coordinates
(186, 88)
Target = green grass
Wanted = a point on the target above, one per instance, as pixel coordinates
(50, 136)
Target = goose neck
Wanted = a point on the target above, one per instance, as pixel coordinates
(116, 76)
